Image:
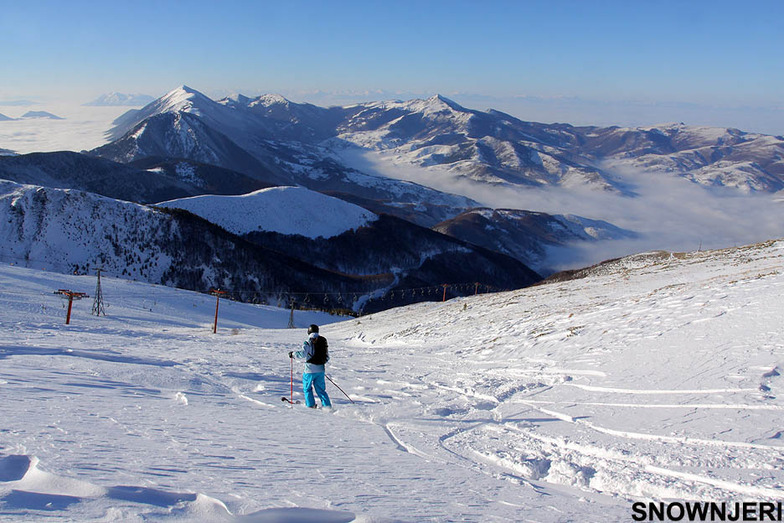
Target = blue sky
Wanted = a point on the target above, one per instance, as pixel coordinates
(627, 62)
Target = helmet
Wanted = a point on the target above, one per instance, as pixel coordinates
(313, 328)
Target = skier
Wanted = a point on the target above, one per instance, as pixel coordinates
(313, 375)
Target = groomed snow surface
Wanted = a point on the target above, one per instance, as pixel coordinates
(657, 377)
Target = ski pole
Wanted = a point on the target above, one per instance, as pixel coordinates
(291, 381)
(341, 390)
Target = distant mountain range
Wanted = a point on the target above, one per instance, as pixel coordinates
(438, 135)
(121, 99)
(32, 115)
(42, 114)
(186, 145)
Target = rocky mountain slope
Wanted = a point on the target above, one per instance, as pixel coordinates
(527, 236)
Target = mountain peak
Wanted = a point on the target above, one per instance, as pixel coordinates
(182, 98)
(182, 92)
(235, 100)
(436, 104)
(439, 99)
(271, 99)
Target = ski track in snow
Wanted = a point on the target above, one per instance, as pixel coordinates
(657, 380)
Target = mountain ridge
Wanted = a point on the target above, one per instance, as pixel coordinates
(487, 146)
(115, 99)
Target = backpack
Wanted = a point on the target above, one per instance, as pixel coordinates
(320, 351)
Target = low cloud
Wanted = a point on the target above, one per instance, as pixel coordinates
(668, 212)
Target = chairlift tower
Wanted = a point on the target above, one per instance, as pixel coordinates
(71, 295)
(218, 295)
(291, 316)
(98, 308)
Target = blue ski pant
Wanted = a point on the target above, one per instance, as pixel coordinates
(315, 380)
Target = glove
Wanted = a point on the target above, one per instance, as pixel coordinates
(291, 354)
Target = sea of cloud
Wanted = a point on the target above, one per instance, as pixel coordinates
(667, 212)
(81, 127)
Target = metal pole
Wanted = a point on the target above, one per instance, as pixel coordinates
(341, 390)
(217, 304)
(70, 303)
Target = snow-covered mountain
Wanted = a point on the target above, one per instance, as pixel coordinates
(405, 260)
(4, 118)
(284, 210)
(526, 235)
(450, 140)
(183, 135)
(68, 231)
(292, 121)
(708, 156)
(305, 144)
(369, 154)
(656, 378)
(238, 134)
(439, 135)
(71, 231)
(121, 99)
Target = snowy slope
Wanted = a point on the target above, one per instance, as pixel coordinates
(71, 231)
(439, 137)
(708, 156)
(653, 377)
(286, 210)
(64, 229)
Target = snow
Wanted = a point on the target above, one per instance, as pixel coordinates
(656, 377)
(267, 100)
(286, 210)
(182, 98)
(66, 229)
